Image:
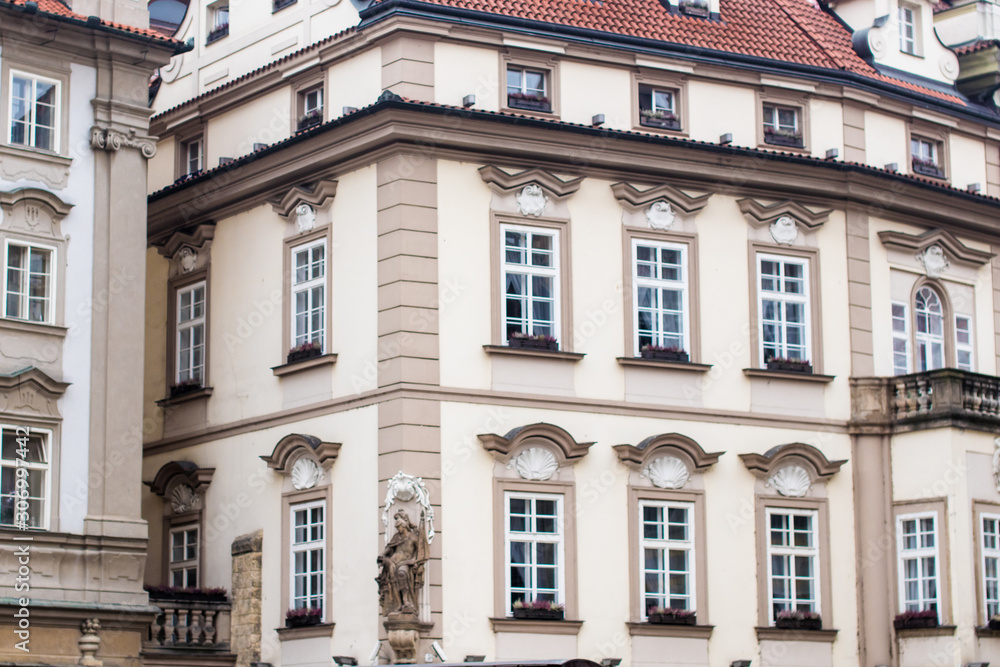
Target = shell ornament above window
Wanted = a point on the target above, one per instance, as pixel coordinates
(667, 472)
(183, 498)
(305, 474)
(536, 463)
(792, 481)
(531, 200)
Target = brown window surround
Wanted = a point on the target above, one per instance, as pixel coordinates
(545, 63)
(287, 303)
(787, 99)
(939, 138)
(667, 81)
(289, 499)
(815, 320)
(680, 238)
(979, 508)
(182, 507)
(34, 67)
(498, 304)
(939, 507)
(183, 138)
(14, 426)
(300, 91)
(175, 285)
(192, 519)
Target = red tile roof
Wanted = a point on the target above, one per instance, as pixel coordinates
(59, 9)
(791, 31)
(978, 45)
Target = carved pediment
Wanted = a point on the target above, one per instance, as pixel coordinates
(33, 211)
(521, 439)
(316, 195)
(189, 251)
(290, 448)
(792, 455)
(759, 214)
(185, 472)
(918, 244)
(503, 182)
(639, 456)
(635, 199)
(30, 392)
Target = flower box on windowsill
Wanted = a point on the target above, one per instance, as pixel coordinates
(666, 122)
(664, 354)
(994, 623)
(303, 352)
(310, 119)
(182, 388)
(529, 103)
(779, 139)
(913, 620)
(281, 4)
(217, 33)
(926, 168)
(187, 594)
(539, 614)
(300, 618)
(789, 366)
(672, 617)
(798, 621)
(533, 342)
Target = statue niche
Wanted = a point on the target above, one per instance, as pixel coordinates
(401, 577)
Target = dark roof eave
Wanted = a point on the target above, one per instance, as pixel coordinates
(178, 47)
(735, 151)
(415, 8)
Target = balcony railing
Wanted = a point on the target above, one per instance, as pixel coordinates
(189, 625)
(933, 399)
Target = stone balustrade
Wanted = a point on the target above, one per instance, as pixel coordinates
(186, 624)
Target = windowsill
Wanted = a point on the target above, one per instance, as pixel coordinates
(555, 355)
(985, 631)
(197, 394)
(786, 635)
(787, 375)
(535, 626)
(664, 630)
(36, 154)
(689, 366)
(537, 113)
(305, 632)
(660, 125)
(786, 144)
(34, 327)
(939, 631)
(929, 172)
(305, 364)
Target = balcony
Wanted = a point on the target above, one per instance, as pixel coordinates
(933, 399)
(187, 632)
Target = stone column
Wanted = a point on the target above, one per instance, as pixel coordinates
(246, 596)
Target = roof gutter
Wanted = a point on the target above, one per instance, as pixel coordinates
(383, 10)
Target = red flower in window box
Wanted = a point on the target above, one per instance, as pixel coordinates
(908, 620)
(671, 616)
(664, 353)
(529, 102)
(798, 620)
(522, 340)
(185, 387)
(789, 365)
(539, 610)
(300, 618)
(778, 137)
(307, 350)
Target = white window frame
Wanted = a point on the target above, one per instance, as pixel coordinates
(307, 547)
(920, 554)
(791, 552)
(191, 324)
(665, 545)
(925, 341)
(907, 17)
(528, 270)
(532, 538)
(523, 71)
(308, 286)
(307, 107)
(900, 337)
(925, 149)
(218, 11)
(52, 282)
(804, 298)
(990, 603)
(186, 564)
(774, 122)
(657, 284)
(46, 468)
(31, 125)
(187, 160)
(967, 347)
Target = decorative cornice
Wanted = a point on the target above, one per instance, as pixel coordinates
(286, 449)
(919, 242)
(316, 195)
(196, 239)
(503, 446)
(633, 198)
(637, 456)
(770, 461)
(58, 209)
(31, 376)
(114, 140)
(503, 182)
(759, 215)
(190, 473)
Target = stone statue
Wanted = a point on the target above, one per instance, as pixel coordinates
(402, 567)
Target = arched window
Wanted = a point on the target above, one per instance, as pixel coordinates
(929, 332)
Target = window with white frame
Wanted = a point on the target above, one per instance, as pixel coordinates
(657, 107)
(667, 552)
(192, 156)
(310, 107)
(917, 549)
(907, 29)
(527, 88)
(308, 555)
(183, 564)
(990, 528)
(534, 548)
(782, 125)
(792, 561)
(531, 281)
(309, 294)
(963, 342)
(660, 294)
(929, 336)
(900, 339)
(25, 477)
(925, 157)
(34, 111)
(783, 307)
(191, 309)
(29, 282)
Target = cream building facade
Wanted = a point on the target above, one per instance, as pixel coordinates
(630, 319)
(73, 151)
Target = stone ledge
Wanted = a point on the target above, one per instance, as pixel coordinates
(536, 626)
(939, 631)
(305, 364)
(305, 632)
(667, 630)
(787, 375)
(555, 355)
(789, 635)
(688, 366)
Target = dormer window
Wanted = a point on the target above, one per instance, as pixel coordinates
(908, 15)
(925, 157)
(527, 89)
(657, 108)
(782, 126)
